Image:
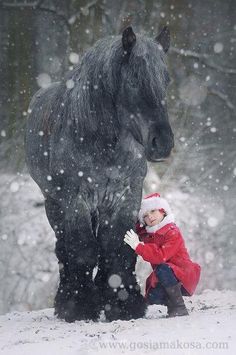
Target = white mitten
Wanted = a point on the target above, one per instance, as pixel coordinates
(132, 239)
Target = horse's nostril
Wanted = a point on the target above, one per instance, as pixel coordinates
(160, 147)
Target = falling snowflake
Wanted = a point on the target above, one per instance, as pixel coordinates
(107, 307)
(209, 256)
(218, 47)
(4, 237)
(70, 84)
(114, 281)
(123, 295)
(14, 187)
(192, 91)
(54, 65)
(212, 222)
(74, 58)
(45, 277)
(213, 129)
(43, 80)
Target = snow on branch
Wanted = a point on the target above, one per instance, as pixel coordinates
(204, 58)
(189, 53)
(223, 97)
(34, 4)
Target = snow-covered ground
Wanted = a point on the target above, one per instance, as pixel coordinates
(210, 329)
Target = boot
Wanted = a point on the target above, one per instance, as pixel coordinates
(175, 304)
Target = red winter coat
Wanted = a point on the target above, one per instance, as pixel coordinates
(166, 245)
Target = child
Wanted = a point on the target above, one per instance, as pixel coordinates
(161, 243)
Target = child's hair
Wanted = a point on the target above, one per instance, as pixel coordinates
(162, 211)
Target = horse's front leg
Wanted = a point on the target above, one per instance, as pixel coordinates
(82, 254)
(116, 271)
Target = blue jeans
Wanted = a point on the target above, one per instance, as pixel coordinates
(166, 278)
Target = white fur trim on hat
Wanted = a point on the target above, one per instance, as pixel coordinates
(151, 203)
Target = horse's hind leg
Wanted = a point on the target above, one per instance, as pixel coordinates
(56, 220)
(77, 297)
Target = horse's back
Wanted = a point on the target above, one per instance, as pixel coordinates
(40, 105)
(37, 132)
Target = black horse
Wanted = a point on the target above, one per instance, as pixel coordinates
(88, 139)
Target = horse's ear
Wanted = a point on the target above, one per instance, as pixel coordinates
(164, 38)
(128, 39)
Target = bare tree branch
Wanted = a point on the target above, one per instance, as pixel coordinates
(220, 68)
(189, 53)
(83, 10)
(57, 13)
(36, 5)
(223, 97)
(202, 57)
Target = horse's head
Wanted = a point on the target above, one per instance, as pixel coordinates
(142, 95)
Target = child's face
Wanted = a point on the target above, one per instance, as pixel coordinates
(153, 217)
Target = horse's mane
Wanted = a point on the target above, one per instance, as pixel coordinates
(89, 107)
(85, 98)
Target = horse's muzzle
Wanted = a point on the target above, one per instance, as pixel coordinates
(159, 148)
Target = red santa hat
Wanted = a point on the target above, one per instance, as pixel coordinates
(151, 202)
